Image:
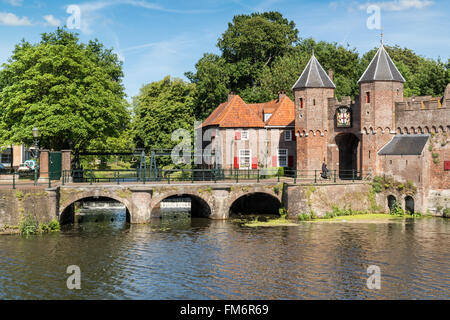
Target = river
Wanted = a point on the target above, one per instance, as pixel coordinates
(184, 258)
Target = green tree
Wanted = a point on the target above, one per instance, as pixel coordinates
(161, 108)
(250, 44)
(71, 91)
(286, 69)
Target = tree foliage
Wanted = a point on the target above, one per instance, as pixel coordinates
(71, 91)
(161, 108)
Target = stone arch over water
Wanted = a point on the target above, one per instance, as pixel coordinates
(67, 213)
(200, 208)
(256, 203)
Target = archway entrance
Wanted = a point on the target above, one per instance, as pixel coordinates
(95, 209)
(391, 202)
(256, 203)
(348, 155)
(409, 204)
(180, 205)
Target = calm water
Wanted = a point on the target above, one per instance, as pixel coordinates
(203, 259)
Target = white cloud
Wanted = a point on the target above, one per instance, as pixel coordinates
(52, 21)
(333, 5)
(399, 5)
(16, 3)
(10, 19)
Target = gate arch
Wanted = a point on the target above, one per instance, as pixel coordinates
(200, 207)
(348, 154)
(251, 203)
(67, 213)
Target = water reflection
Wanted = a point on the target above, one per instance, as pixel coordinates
(193, 258)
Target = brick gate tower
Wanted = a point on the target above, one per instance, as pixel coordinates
(311, 92)
(380, 88)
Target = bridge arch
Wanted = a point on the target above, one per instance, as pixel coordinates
(67, 211)
(200, 207)
(255, 203)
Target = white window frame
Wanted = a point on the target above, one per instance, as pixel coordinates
(286, 135)
(280, 156)
(246, 135)
(242, 156)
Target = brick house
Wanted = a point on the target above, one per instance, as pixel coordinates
(251, 136)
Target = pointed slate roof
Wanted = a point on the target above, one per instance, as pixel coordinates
(313, 77)
(381, 68)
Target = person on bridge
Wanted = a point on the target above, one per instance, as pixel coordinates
(325, 172)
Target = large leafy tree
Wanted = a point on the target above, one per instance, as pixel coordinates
(250, 44)
(71, 91)
(160, 109)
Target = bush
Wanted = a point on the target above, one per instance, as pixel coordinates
(304, 217)
(54, 225)
(283, 212)
(447, 213)
(397, 210)
(28, 226)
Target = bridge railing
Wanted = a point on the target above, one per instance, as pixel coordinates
(29, 179)
(211, 175)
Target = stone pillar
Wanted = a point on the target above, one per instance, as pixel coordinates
(53, 202)
(66, 163)
(43, 165)
(220, 209)
(140, 206)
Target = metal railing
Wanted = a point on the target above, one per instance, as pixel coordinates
(34, 178)
(170, 176)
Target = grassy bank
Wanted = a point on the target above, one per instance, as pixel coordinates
(363, 218)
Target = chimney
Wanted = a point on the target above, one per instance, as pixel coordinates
(330, 74)
(231, 95)
(281, 95)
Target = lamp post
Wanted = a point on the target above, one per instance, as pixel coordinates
(35, 131)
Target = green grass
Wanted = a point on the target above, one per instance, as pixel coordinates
(283, 221)
(278, 222)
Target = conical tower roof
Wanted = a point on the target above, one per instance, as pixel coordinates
(314, 76)
(381, 68)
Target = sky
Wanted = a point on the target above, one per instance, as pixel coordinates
(156, 38)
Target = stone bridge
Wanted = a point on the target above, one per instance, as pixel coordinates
(213, 200)
(143, 202)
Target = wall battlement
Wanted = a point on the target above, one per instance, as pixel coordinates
(421, 112)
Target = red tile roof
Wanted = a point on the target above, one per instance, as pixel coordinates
(237, 114)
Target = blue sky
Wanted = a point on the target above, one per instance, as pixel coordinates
(157, 38)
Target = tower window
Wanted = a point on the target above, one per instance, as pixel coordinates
(367, 97)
